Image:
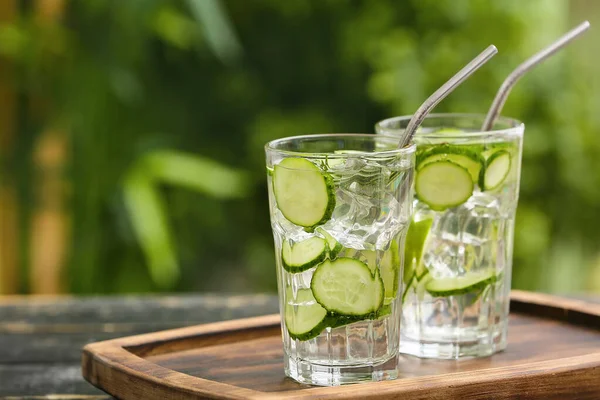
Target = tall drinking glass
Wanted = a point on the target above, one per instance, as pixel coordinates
(458, 253)
(340, 208)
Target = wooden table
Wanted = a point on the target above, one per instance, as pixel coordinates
(41, 338)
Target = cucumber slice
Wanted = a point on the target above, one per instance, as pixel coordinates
(478, 295)
(473, 152)
(345, 286)
(385, 310)
(417, 234)
(474, 167)
(304, 194)
(389, 266)
(496, 171)
(334, 246)
(408, 285)
(305, 320)
(443, 184)
(466, 157)
(419, 284)
(335, 321)
(470, 282)
(303, 255)
(378, 295)
(491, 148)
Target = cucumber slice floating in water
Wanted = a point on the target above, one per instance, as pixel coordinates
(335, 321)
(385, 310)
(307, 319)
(443, 184)
(461, 155)
(496, 170)
(418, 285)
(334, 246)
(305, 195)
(417, 234)
(470, 282)
(416, 237)
(493, 147)
(303, 255)
(378, 294)
(474, 167)
(346, 286)
(408, 284)
(389, 266)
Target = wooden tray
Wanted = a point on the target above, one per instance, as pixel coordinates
(553, 353)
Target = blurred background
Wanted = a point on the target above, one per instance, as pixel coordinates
(132, 132)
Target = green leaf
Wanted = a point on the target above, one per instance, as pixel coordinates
(217, 28)
(148, 212)
(197, 173)
(148, 217)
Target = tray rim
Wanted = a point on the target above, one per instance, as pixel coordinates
(126, 366)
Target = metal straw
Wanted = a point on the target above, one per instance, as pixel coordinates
(536, 59)
(444, 91)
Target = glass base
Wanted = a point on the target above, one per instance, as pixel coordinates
(442, 347)
(323, 375)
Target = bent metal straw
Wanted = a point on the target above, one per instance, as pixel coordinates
(444, 91)
(526, 66)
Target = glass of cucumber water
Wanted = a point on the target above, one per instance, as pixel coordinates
(458, 252)
(340, 209)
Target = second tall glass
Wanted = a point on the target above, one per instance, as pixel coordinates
(458, 253)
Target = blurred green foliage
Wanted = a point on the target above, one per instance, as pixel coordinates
(168, 105)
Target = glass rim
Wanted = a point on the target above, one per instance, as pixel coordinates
(514, 126)
(406, 150)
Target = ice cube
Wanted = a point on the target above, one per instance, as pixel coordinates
(465, 238)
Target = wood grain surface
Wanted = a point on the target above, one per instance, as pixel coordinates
(41, 337)
(553, 353)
